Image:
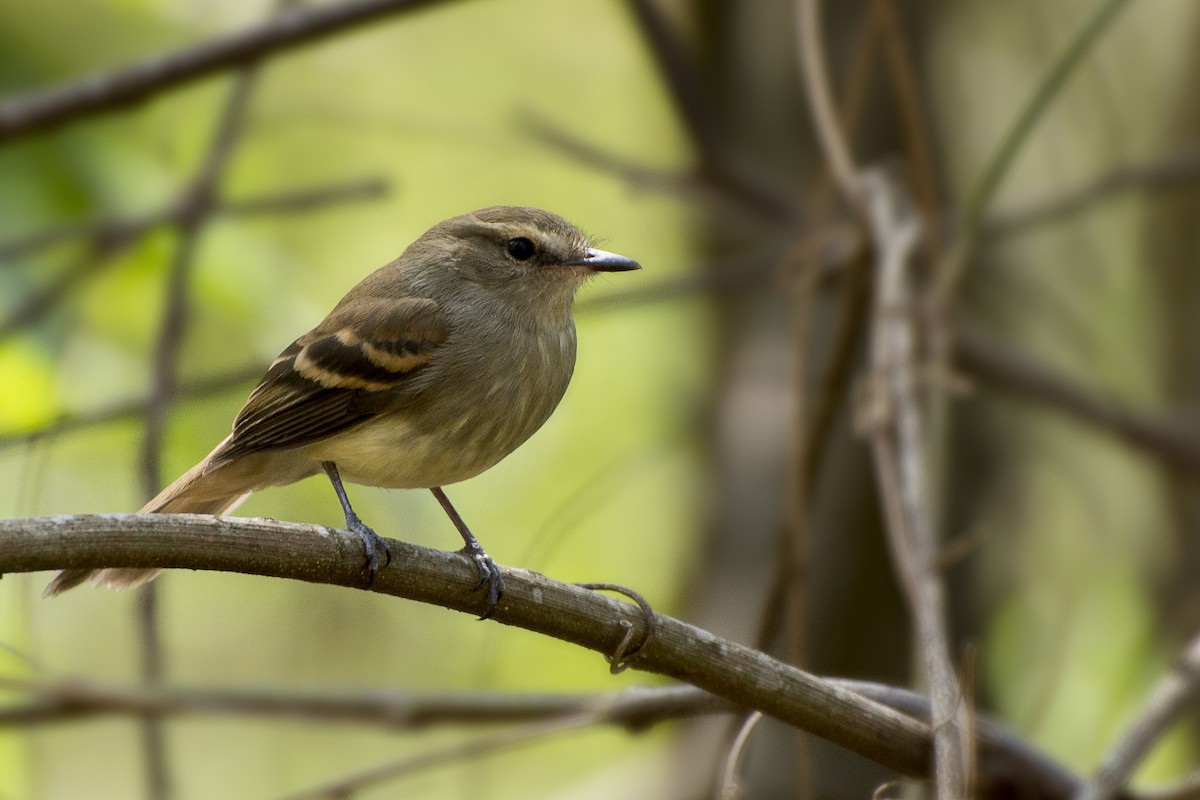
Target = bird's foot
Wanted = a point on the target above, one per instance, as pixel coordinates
(489, 575)
(373, 545)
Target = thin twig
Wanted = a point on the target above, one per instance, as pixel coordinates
(71, 700)
(1176, 169)
(730, 788)
(112, 233)
(27, 114)
(198, 388)
(695, 185)
(986, 359)
(810, 51)
(449, 754)
(1167, 702)
(695, 107)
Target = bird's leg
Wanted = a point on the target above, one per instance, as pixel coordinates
(373, 543)
(489, 573)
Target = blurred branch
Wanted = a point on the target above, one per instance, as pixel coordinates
(985, 358)
(314, 553)
(133, 409)
(633, 708)
(195, 209)
(293, 27)
(892, 420)
(690, 185)
(111, 233)
(110, 236)
(814, 75)
(1176, 169)
(679, 71)
(695, 108)
(1167, 702)
(448, 754)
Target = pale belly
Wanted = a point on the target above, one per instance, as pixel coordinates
(395, 455)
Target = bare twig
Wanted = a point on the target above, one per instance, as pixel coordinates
(810, 50)
(112, 233)
(730, 788)
(695, 185)
(1166, 703)
(695, 108)
(1177, 169)
(294, 27)
(636, 708)
(893, 423)
(134, 409)
(986, 359)
(449, 754)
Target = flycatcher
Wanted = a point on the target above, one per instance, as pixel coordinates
(428, 372)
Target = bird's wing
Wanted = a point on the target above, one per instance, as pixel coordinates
(337, 375)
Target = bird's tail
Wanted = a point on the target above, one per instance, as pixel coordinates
(194, 492)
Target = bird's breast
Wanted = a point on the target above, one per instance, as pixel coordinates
(473, 411)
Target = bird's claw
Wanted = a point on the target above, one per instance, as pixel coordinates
(373, 544)
(489, 576)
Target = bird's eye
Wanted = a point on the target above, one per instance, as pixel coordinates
(521, 248)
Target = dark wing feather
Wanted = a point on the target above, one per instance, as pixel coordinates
(333, 377)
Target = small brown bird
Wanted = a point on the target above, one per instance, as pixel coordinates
(428, 372)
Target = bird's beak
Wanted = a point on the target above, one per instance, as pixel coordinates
(603, 261)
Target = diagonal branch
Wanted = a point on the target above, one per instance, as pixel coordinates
(984, 358)
(37, 111)
(313, 553)
(1166, 704)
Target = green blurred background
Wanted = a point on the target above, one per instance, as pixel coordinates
(668, 465)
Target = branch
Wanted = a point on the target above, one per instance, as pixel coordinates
(633, 708)
(133, 409)
(1180, 168)
(694, 104)
(457, 752)
(896, 427)
(981, 356)
(1167, 702)
(110, 233)
(37, 111)
(313, 553)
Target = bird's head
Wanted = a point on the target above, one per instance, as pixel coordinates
(532, 260)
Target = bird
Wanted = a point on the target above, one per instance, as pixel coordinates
(428, 372)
